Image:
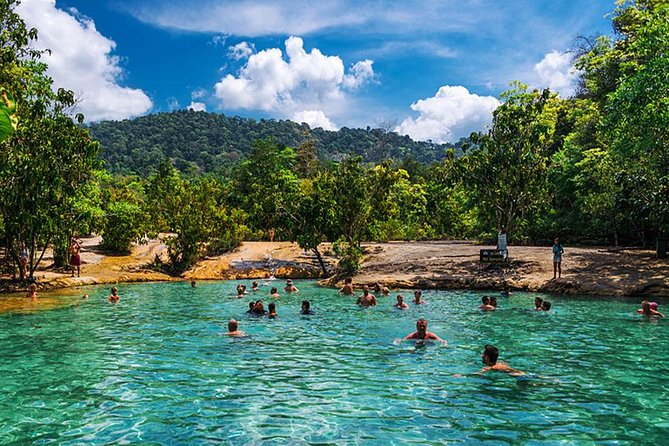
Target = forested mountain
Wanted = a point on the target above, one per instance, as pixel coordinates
(212, 142)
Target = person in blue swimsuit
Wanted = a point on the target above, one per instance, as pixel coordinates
(558, 250)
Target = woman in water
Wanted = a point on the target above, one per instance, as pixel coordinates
(114, 297)
(400, 303)
(32, 291)
(272, 310)
(274, 293)
(647, 309)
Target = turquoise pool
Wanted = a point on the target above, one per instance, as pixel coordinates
(157, 369)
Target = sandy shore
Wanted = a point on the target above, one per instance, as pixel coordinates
(586, 271)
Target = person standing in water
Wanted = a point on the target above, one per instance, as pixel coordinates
(233, 329)
(421, 333)
(114, 297)
(366, 299)
(400, 303)
(558, 250)
(290, 288)
(32, 291)
(418, 297)
(347, 289)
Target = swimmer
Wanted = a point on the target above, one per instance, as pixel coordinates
(400, 303)
(254, 286)
(421, 333)
(537, 303)
(274, 293)
(259, 308)
(272, 310)
(493, 302)
(347, 289)
(233, 329)
(306, 308)
(385, 291)
(485, 304)
(366, 299)
(489, 358)
(252, 304)
(85, 296)
(114, 297)
(192, 284)
(647, 310)
(546, 306)
(377, 288)
(290, 288)
(417, 297)
(32, 291)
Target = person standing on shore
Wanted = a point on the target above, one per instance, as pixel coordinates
(558, 250)
(502, 245)
(75, 258)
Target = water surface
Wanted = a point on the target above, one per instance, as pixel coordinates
(157, 368)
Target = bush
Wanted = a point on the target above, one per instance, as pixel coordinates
(123, 223)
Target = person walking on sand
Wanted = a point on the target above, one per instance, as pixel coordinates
(558, 250)
(75, 257)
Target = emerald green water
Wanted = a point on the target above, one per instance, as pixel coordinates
(157, 368)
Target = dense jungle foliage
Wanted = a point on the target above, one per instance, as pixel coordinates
(593, 168)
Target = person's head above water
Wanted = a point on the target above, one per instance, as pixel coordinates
(365, 289)
(251, 305)
(232, 325)
(400, 299)
(272, 308)
(114, 290)
(490, 355)
(537, 302)
(305, 305)
(348, 280)
(273, 290)
(421, 325)
(546, 306)
(485, 300)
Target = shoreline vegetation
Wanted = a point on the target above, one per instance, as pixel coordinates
(595, 271)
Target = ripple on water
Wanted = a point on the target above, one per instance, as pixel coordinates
(157, 368)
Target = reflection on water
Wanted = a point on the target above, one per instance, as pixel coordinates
(158, 368)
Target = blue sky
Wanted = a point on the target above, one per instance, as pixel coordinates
(430, 69)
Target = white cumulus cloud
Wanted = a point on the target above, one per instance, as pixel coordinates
(452, 113)
(301, 81)
(241, 51)
(315, 119)
(360, 73)
(557, 72)
(81, 60)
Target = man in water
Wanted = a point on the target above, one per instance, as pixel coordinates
(421, 333)
(366, 299)
(306, 308)
(114, 297)
(290, 288)
(418, 297)
(347, 289)
(485, 304)
(489, 358)
(233, 329)
(400, 303)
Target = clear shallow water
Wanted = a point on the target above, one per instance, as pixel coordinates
(157, 369)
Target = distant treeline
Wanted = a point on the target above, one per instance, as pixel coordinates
(202, 142)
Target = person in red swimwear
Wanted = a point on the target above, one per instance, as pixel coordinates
(75, 258)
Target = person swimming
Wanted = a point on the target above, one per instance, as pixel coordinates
(306, 308)
(254, 286)
(485, 304)
(418, 297)
(489, 358)
(259, 308)
(347, 289)
(647, 310)
(114, 297)
(377, 287)
(546, 306)
(290, 288)
(233, 329)
(493, 302)
(385, 291)
(252, 304)
(421, 333)
(272, 310)
(274, 293)
(366, 299)
(537, 303)
(400, 303)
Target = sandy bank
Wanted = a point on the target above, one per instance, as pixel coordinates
(444, 265)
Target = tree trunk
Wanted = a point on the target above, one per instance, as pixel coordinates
(320, 261)
(661, 247)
